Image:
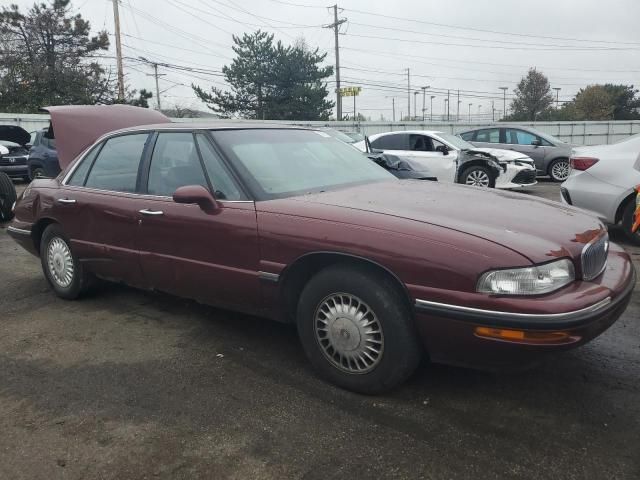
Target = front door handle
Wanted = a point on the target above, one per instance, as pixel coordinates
(66, 200)
(151, 212)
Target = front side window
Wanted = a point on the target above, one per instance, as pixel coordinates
(174, 164)
(488, 135)
(278, 163)
(225, 187)
(116, 167)
(420, 143)
(519, 137)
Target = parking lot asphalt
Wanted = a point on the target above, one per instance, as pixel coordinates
(127, 384)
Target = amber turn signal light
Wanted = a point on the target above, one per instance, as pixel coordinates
(523, 336)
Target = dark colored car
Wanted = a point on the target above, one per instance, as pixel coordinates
(14, 151)
(43, 156)
(290, 224)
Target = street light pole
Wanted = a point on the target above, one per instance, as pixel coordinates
(504, 94)
(470, 112)
(415, 110)
(557, 89)
(432, 97)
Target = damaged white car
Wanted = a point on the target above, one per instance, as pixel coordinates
(452, 159)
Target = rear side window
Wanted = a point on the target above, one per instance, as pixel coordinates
(79, 175)
(392, 142)
(174, 164)
(116, 167)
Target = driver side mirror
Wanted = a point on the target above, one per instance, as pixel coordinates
(196, 194)
(536, 143)
(443, 149)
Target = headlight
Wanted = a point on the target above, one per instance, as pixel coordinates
(529, 280)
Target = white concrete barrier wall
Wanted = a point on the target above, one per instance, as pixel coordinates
(579, 133)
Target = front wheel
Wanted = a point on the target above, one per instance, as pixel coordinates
(61, 268)
(478, 176)
(627, 223)
(357, 330)
(559, 169)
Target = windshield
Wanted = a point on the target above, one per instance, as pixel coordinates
(455, 141)
(283, 163)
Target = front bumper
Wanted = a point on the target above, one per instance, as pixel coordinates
(450, 332)
(15, 170)
(517, 176)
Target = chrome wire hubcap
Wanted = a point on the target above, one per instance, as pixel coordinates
(560, 170)
(349, 333)
(60, 262)
(478, 178)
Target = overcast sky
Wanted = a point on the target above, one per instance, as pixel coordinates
(574, 42)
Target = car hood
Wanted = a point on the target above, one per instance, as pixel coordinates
(504, 155)
(15, 134)
(535, 228)
(75, 127)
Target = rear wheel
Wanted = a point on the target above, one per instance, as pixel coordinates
(7, 197)
(478, 176)
(559, 169)
(61, 268)
(357, 330)
(627, 223)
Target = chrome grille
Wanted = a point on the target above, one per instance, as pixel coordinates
(594, 257)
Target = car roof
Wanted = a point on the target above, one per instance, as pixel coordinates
(211, 125)
(416, 132)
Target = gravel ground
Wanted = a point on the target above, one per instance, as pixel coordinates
(129, 384)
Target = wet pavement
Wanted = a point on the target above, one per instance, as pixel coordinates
(129, 384)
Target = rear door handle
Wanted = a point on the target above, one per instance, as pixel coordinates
(151, 212)
(66, 200)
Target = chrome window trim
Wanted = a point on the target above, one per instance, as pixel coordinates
(496, 313)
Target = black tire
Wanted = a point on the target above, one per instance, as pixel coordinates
(79, 280)
(476, 173)
(7, 197)
(400, 350)
(627, 223)
(555, 167)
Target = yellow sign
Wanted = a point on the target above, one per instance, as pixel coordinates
(350, 91)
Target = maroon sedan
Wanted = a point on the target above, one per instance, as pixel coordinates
(293, 225)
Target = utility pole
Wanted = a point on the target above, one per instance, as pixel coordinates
(448, 104)
(504, 93)
(155, 74)
(432, 97)
(336, 30)
(393, 103)
(415, 108)
(408, 94)
(493, 111)
(470, 112)
(446, 107)
(116, 20)
(458, 109)
(557, 89)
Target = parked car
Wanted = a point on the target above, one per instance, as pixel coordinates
(550, 155)
(43, 156)
(14, 151)
(293, 225)
(451, 159)
(603, 180)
